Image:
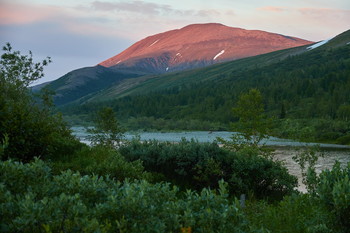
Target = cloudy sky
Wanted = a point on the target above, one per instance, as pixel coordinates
(80, 33)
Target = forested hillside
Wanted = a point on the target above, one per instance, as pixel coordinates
(313, 86)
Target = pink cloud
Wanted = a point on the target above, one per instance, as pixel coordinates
(24, 14)
(272, 9)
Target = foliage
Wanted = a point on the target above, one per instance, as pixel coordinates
(307, 158)
(297, 213)
(197, 165)
(31, 128)
(34, 200)
(252, 122)
(107, 131)
(20, 70)
(252, 126)
(333, 190)
(101, 161)
(4, 145)
(323, 130)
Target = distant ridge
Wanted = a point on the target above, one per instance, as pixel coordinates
(199, 45)
(194, 46)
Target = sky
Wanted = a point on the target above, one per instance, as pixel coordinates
(81, 33)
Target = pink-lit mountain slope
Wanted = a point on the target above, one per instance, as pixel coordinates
(199, 45)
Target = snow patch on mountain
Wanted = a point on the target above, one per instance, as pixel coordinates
(217, 55)
(317, 44)
(153, 43)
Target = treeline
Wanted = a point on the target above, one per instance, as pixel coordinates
(314, 85)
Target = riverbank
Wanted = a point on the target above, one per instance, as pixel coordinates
(207, 136)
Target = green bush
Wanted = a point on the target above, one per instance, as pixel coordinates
(32, 199)
(101, 161)
(296, 213)
(345, 140)
(334, 191)
(196, 165)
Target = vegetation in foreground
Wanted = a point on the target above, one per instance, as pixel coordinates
(146, 187)
(33, 199)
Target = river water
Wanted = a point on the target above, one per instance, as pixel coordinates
(285, 149)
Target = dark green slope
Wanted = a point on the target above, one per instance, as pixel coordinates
(153, 83)
(86, 81)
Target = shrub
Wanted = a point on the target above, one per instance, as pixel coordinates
(296, 213)
(101, 161)
(199, 165)
(32, 199)
(334, 191)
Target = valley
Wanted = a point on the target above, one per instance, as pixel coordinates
(305, 91)
(254, 138)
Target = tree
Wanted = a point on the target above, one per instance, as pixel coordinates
(344, 112)
(27, 125)
(283, 112)
(252, 125)
(107, 131)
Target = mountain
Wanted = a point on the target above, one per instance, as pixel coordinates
(190, 47)
(155, 83)
(198, 45)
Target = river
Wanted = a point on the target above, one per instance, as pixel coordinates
(285, 149)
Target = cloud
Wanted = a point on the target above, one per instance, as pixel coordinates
(24, 14)
(272, 9)
(151, 9)
(322, 13)
(230, 13)
(132, 6)
(316, 13)
(208, 13)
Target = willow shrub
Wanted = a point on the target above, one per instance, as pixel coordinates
(32, 199)
(101, 161)
(196, 165)
(296, 213)
(333, 190)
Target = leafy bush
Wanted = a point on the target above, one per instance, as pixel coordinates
(296, 213)
(101, 161)
(334, 191)
(32, 199)
(199, 165)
